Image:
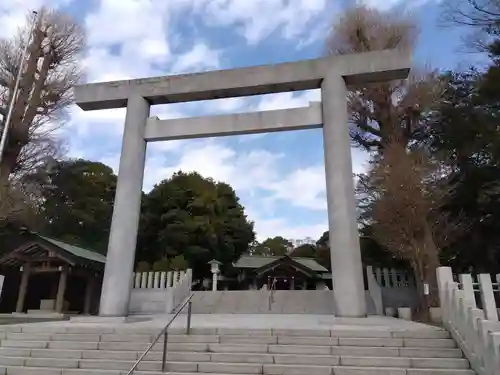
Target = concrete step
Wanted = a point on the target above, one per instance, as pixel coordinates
(54, 371)
(194, 349)
(288, 337)
(269, 343)
(268, 370)
(227, 362)
(93, 350)
(144, 335)
(230, 356)
(444, 363)
(395, 371)
(80, 350)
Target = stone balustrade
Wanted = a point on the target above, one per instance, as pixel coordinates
(159, 292)
(477, 331)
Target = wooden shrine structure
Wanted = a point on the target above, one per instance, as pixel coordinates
(284, 273)
(47, 275)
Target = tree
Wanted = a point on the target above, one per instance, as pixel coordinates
(408, 191)
(305, 251)
(482, 14)
(14, 210)
(275, 246)
(376, 111)
(195, 217)
(177, 263)
(464, 134)
(45, 89)
(323, 255)
(372, 253)
(78, 202)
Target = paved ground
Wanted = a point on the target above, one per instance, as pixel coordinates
(252, 321)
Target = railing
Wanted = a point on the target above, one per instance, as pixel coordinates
(271, 293)
(157, 280)
(375, 291)
(162, 298)
(481, 286)
(164, 333)
(392, 278)
(180, 291)
(477, 331)
(391, 289)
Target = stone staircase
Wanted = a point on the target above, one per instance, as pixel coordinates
(65, 349)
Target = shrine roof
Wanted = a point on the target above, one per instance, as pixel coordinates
(258, 261)
(77, 251)
(32, 245)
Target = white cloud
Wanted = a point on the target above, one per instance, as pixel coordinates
(13, 13)
(304, 187)
(140, 23)
(388, 4)
(288, 100)
(256, 19)
(244, 171)
(271, 226)
(199, 58)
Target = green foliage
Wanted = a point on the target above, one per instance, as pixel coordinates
(161, 265)
(372, 253)
(78, 203)
(178, 263)
(275, 246)
(143, 267)
(304, 251)
(195, 217)
(465, 134)
(324, 240)
(323, 257)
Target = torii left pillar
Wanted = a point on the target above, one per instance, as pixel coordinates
(118, 274)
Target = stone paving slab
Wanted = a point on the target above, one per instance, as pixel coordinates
(209, 323)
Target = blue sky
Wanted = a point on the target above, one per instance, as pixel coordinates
(279, 177)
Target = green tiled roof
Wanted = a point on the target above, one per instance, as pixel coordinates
(256, 261)
(76, 251)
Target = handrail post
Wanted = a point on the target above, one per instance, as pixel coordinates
(188, 328)
(271, 292)
(164, 333)
(164, 356)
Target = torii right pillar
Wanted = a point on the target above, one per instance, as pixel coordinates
(347, 271)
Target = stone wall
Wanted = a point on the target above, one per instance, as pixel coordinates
(148, 301)
(257, 301)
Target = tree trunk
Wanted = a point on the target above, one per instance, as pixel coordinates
(424, 266)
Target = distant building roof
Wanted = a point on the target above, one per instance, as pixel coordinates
(258, 261)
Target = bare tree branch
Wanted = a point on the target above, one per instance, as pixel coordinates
(482, 17)
(405, 191)
(383, 107)
(484, 14)
(15, 208)
(50, 72)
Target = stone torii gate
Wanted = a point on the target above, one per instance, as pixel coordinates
(331, 74)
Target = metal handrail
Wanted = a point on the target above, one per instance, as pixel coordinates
(164, 333)
(271, 293)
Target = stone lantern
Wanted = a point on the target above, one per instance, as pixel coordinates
(214, 267)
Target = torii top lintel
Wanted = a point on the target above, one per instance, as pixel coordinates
(358, 68)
